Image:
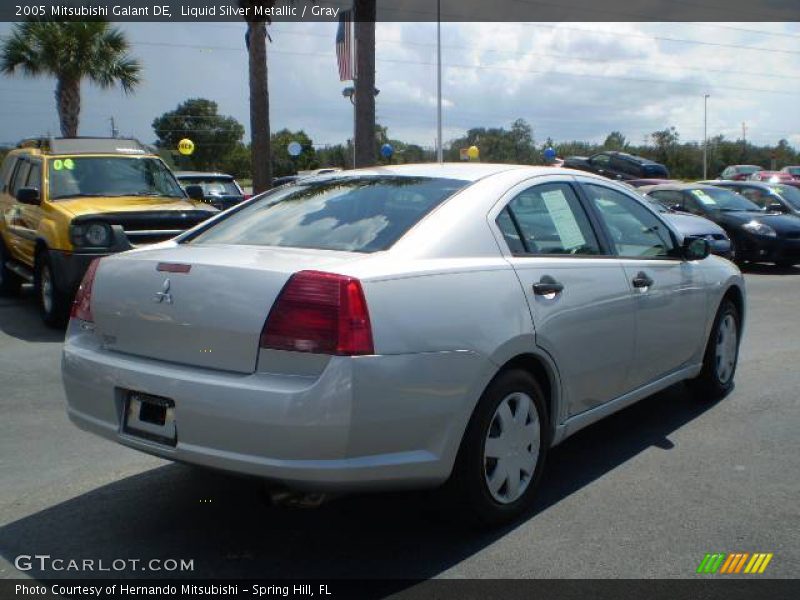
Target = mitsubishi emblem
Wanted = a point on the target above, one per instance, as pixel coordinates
(164, 294)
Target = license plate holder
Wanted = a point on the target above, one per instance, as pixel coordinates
(150, 417)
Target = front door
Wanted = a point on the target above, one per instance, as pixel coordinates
(582, 308)
(29, 214)
(668, 291)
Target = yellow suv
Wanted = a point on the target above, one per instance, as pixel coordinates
(66, 201)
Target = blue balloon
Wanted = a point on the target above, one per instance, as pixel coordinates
(549, 153)
(387, 150)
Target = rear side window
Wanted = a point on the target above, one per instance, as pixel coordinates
(20, 177)
(5, 173)
(548, 219)
(355, 214)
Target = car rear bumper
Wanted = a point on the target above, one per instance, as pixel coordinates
(372, 422)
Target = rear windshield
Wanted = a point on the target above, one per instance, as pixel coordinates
(356, 214)
(212, 186)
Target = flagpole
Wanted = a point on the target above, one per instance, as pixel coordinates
(439, 150)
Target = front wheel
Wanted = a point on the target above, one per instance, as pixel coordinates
(722, 355)
(53, 303)
(503, 451)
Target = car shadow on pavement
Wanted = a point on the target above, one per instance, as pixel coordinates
(223, 524)
(768, 269)
(19, 318)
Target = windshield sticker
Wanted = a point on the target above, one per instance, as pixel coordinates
(69, 164)
(704, 198)
(564, 220)
(58, 164)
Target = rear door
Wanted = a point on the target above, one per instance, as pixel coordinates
(582, 308)
(669, 293)
(13, 210)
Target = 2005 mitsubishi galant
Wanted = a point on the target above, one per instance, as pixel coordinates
(400, 327)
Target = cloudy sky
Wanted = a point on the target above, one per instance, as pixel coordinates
(569, 80)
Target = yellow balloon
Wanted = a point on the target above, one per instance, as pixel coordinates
(473, 152)
(186, 146)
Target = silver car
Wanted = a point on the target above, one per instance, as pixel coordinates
(401, 327)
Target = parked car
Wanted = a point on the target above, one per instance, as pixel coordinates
(774, 197)
(756, 235)
(67, 201)
(278, 181)
(618, 165)
(739, 172)
(793, 170)
(401, 327)
(771, 176)
(217, 189)
(688, 226)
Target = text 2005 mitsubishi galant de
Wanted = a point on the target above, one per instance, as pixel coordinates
(400, 327)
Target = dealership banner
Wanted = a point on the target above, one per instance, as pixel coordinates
(407, 10)
(440, 589)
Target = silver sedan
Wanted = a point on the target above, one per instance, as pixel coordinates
(401, 327)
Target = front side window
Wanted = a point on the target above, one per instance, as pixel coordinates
(20, 176)
(355, 214)
(600, 160)
(111, 176)
(548, 219)
(635, 231)
(35, 176)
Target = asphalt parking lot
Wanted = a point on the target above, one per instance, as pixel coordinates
(645, 493)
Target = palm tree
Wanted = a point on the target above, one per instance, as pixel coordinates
(260, 147)
(70, 51)
(365, 13)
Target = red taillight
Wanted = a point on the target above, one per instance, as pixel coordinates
(322, 313)
(82, 306)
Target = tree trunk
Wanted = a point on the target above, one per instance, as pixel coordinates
(261, 156)
(68, 101)
(365, 82)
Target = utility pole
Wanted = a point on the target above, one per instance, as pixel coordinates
(705, 136)
(439, 148)
(114, 130)
(744, 140)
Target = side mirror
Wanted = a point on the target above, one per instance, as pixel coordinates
(195, 192)
(696, 248)
(28, 195)
(677, 207)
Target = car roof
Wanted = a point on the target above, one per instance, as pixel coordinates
(470, 172)
(749, 183)
(201, 174)
(86, 145)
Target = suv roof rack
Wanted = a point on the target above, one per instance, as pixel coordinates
(86, 145)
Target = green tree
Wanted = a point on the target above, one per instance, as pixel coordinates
(215, 136)
(70, 51)
(615, 141)
(285, 164)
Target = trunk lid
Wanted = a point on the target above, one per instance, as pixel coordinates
(210, 316)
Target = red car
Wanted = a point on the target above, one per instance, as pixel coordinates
(772, 176)
(793, 170)
(739, 172)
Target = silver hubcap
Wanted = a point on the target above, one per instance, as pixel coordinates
(511, 448)
(726, 348)
(47, 289)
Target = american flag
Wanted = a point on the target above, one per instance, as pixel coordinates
(344, 46)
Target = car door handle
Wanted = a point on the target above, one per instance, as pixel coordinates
(642, 280)
(547, 286)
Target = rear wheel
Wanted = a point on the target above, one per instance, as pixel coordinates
(10, 282)
(503, 451)
(53, 303)
(722, 355)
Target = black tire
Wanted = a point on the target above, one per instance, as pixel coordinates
(10, 282)
(713, 383)
(467, 491)
(736, 254)
(55, 312)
